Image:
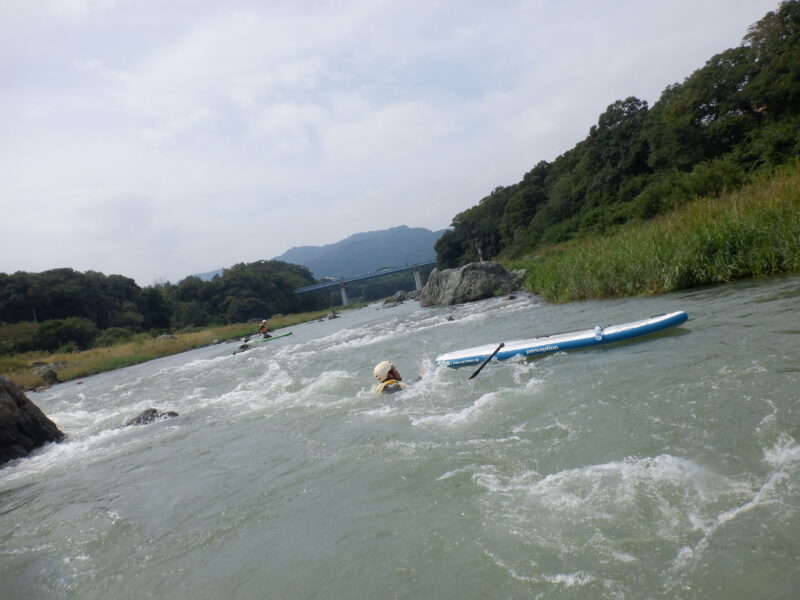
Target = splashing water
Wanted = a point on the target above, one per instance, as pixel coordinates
(662, 468)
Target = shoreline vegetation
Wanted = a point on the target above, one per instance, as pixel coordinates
(751, 232)
(726, 125)
(26, 369)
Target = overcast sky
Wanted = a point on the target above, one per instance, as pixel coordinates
(160, 138)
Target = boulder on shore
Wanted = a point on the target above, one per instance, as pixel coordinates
(475, 281)
(23, 426)
(50, 377)
(399, 297)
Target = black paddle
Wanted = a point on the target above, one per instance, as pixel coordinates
(491, 356)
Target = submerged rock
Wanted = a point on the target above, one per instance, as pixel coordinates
(23, 426)
(149, 415)
(471, 282)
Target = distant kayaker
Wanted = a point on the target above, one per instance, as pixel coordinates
(388, 378)
(264, 330)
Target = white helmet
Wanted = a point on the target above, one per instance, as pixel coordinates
(381, 370)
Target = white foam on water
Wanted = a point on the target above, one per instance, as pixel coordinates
(618, 483)
(195, 366)
(623, 557)
(423, 394)
(570, 579)
(467, 414)
(440, 382)
(685, 496)
(513, 448)
(784, 454)
(57, 458)
(345, 339)
(442, 320)
(275, 379)
(784, 458)
(455, 472)
(383, 410)
(127, 385)
(663, 498)
(564, 580)
(326, 390)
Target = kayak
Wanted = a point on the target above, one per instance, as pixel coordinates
(272, 337)
(558, 342)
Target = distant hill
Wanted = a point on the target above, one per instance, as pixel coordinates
(366, 252)
(208, 276)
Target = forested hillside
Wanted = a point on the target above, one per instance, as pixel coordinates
(736, 116)
(63, 307)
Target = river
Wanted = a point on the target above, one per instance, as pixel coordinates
(665, 468)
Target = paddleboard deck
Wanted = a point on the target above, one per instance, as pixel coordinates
(559, 342)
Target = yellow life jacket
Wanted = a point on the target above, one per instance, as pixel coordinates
(390, 386)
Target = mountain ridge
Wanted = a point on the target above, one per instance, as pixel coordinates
(367, 251)
(361, 253)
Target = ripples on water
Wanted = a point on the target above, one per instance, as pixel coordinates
(664, 468)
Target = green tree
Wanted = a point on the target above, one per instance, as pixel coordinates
(738, 113)
(155, 307)
(56, 333)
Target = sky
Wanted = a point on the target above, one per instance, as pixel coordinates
(160, 138)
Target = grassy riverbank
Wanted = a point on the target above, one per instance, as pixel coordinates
(749, 233)
(26, 370)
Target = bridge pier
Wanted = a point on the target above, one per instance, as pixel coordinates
(417, 279)
(345, 299)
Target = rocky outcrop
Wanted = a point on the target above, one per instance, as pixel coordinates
(398, 298)
(50, 377)
(149, 415)
(23, 427)
(471, 282)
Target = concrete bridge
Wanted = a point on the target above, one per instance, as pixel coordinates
(340, 283)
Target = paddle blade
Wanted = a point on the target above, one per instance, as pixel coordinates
(491, 356)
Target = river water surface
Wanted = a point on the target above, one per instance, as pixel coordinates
(664, 468)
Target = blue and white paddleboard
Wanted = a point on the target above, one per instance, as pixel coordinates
(562, 341)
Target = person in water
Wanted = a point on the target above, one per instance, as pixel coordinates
(388, 378)
(264, 330)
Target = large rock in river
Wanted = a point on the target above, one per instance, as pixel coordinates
(149, 415)
(471, 282)
(23, 427)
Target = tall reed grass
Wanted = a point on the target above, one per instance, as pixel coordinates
(749, 233)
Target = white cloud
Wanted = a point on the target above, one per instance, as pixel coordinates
(313, 118)
(79, 9)
(389, 132)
